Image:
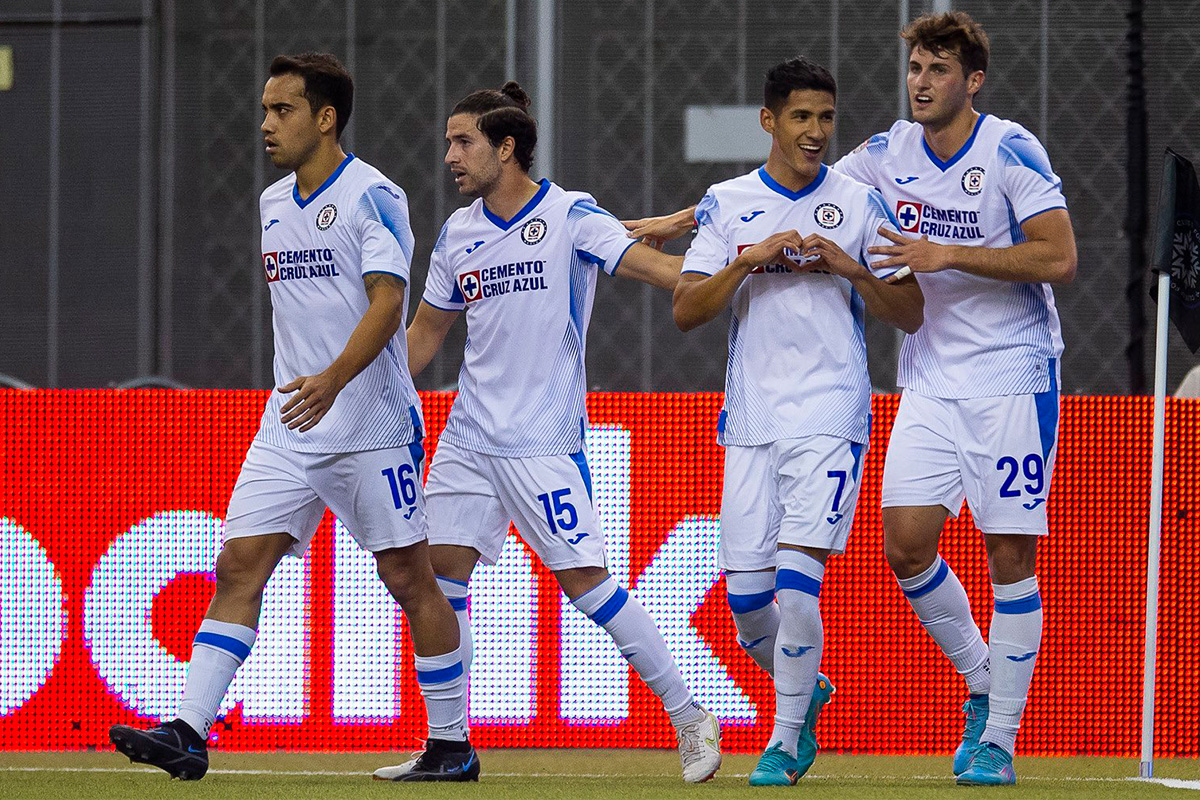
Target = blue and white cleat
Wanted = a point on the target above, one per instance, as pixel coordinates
(976, 711)
(806, 748)
(776, 767)
(990, 765)
(440, 761)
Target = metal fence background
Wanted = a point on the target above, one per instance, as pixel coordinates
(132, 162)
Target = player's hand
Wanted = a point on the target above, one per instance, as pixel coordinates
(919, 255)
(313, 399)
(654, 231)
(831, 257)
(772, 251)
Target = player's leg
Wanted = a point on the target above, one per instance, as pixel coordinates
(272, 512)
(922, 485)
(1008, 462)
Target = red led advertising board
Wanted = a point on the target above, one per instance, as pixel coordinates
(111, 509)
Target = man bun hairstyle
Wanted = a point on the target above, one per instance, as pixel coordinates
(326, 82)
(795, 74)
(502, 113)
(952, 33)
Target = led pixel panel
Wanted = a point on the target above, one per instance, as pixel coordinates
(112, 505)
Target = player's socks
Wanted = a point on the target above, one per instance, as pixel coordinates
(799, 645)
(631, 627)
(443, 683)
(942, 607)
(1015, 638)
(755, 613)
(217, 651)
(457, 593)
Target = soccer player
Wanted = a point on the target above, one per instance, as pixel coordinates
(988, 233)
(785, 248)
(343, 429)
(522, 262)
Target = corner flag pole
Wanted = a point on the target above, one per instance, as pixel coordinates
(1146, 770)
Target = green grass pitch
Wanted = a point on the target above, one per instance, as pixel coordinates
(575, 774)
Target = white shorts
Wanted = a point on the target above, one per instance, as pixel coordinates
(996, 452)
(376, 494)
(799, 492)
(473, 497)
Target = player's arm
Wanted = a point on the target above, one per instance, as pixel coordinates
(900, 304)
(314, 394)
(426, 333)
(656, 230)
(1046, 256)
(643, 263)
(700, 298)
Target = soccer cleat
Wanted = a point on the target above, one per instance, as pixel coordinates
(440, 761)
(776, 767)
(976, 709)
(991, 765)
(700, 748)
(806, 747)
(173, 747)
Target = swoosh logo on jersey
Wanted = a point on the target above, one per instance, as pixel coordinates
(799, 651)
(269, 224)
(909, 179)
(752, 215)
(834, 519)
(472, 248)
(579, 538)
(1034, 503)
(752, 645)
(1025, 657)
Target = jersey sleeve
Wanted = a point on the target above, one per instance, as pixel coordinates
(709, 253)
(1030, 185)
(441, 288)
(387, 238)
(597, 236)
(878, 215)
(863, 163)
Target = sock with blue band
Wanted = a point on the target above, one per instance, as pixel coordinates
(217, 651)
(457, 593)
(799, 645)
(1014, 639)
(631, 627)
(443, 682)
(755, 614)
(943, 609)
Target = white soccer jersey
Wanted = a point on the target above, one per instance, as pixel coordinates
(527, 285)
(982, 337)
(315, 253)
(797, 356)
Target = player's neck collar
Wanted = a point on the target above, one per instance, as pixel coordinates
(328, 182)
(504, 224)
(775, 185)
(962, 151)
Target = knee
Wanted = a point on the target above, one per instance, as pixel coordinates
(237, 575)
(905, 560)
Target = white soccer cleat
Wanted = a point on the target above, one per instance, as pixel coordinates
(700, 748)
(396, 772)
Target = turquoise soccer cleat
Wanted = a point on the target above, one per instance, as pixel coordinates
(806, 748)
(990, 766)
(976, 710)
(776, 767)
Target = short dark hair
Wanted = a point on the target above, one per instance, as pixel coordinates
(795, 74)
(951, 33)
(326, 82)
(502, 113)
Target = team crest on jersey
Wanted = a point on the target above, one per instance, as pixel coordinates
(908, 215)
(470, 285)
(271, 266)
(533, 231)
(326, 216)
(972, 180)
(828, 215)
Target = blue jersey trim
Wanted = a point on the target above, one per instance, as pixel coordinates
(328, 182)
(235, 647)
(452, 580)
(1039, 213)
(504, 225)
(414, 417)
(1046, 404)
(581, 462)
(439, 308)
(458, 603)
(386, 272)
(621, 257)
(745, 603)
(856, 450)
(962, 151)
(776, 186)
(697, 272)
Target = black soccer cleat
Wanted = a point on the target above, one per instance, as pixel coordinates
(441, 761)
(173, 747)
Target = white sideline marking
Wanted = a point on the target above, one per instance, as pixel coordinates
(1172, 783)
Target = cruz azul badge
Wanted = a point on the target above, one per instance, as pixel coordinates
(326, 216)
(828, 215)
(533, 231)
(972, 181)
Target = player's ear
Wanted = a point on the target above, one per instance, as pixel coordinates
(506, 149)
(327, 119)
(975, 81)
(766, 118)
